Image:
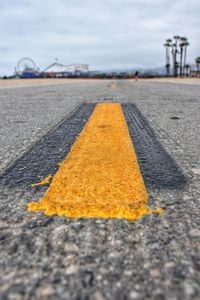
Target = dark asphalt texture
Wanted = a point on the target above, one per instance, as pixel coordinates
(156, 257)
(159, 170)
(45, 155)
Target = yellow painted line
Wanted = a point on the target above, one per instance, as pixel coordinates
(114, 85)
(43, 181)
(101, 176)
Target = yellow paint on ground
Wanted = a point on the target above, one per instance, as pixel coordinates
(43, 181)
(100, 176)
(114, 85)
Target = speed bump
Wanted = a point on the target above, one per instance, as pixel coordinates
(101, 176)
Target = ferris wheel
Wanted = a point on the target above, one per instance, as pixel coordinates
(26, 64)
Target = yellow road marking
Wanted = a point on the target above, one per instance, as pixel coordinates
(100, 176)
(114, 85)
(43, 181)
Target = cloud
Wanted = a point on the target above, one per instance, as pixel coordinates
(103, 33)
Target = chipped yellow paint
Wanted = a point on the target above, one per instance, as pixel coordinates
(114, 85)
(43, 181)
(100, 176)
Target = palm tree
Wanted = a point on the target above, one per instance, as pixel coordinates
(197, 61)
(186, 44)
(182, 44)
(175, 52)
(187, 69)
(178, 46)
(167, 45)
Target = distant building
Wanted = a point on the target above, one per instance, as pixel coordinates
(59, 70)
(26, 68)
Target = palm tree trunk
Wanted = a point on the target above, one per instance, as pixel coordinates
(168, 62)
(185, 55)
(181, 61)
(174, 60)
(166, 58)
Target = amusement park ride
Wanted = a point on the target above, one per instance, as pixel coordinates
(27, 68)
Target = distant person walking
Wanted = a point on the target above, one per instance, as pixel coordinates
(136, 76)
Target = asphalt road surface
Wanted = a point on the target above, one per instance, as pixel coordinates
(156, 257)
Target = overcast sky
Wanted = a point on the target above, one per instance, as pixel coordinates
(102, 33)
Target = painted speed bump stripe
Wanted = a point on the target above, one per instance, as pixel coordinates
(100, 176)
